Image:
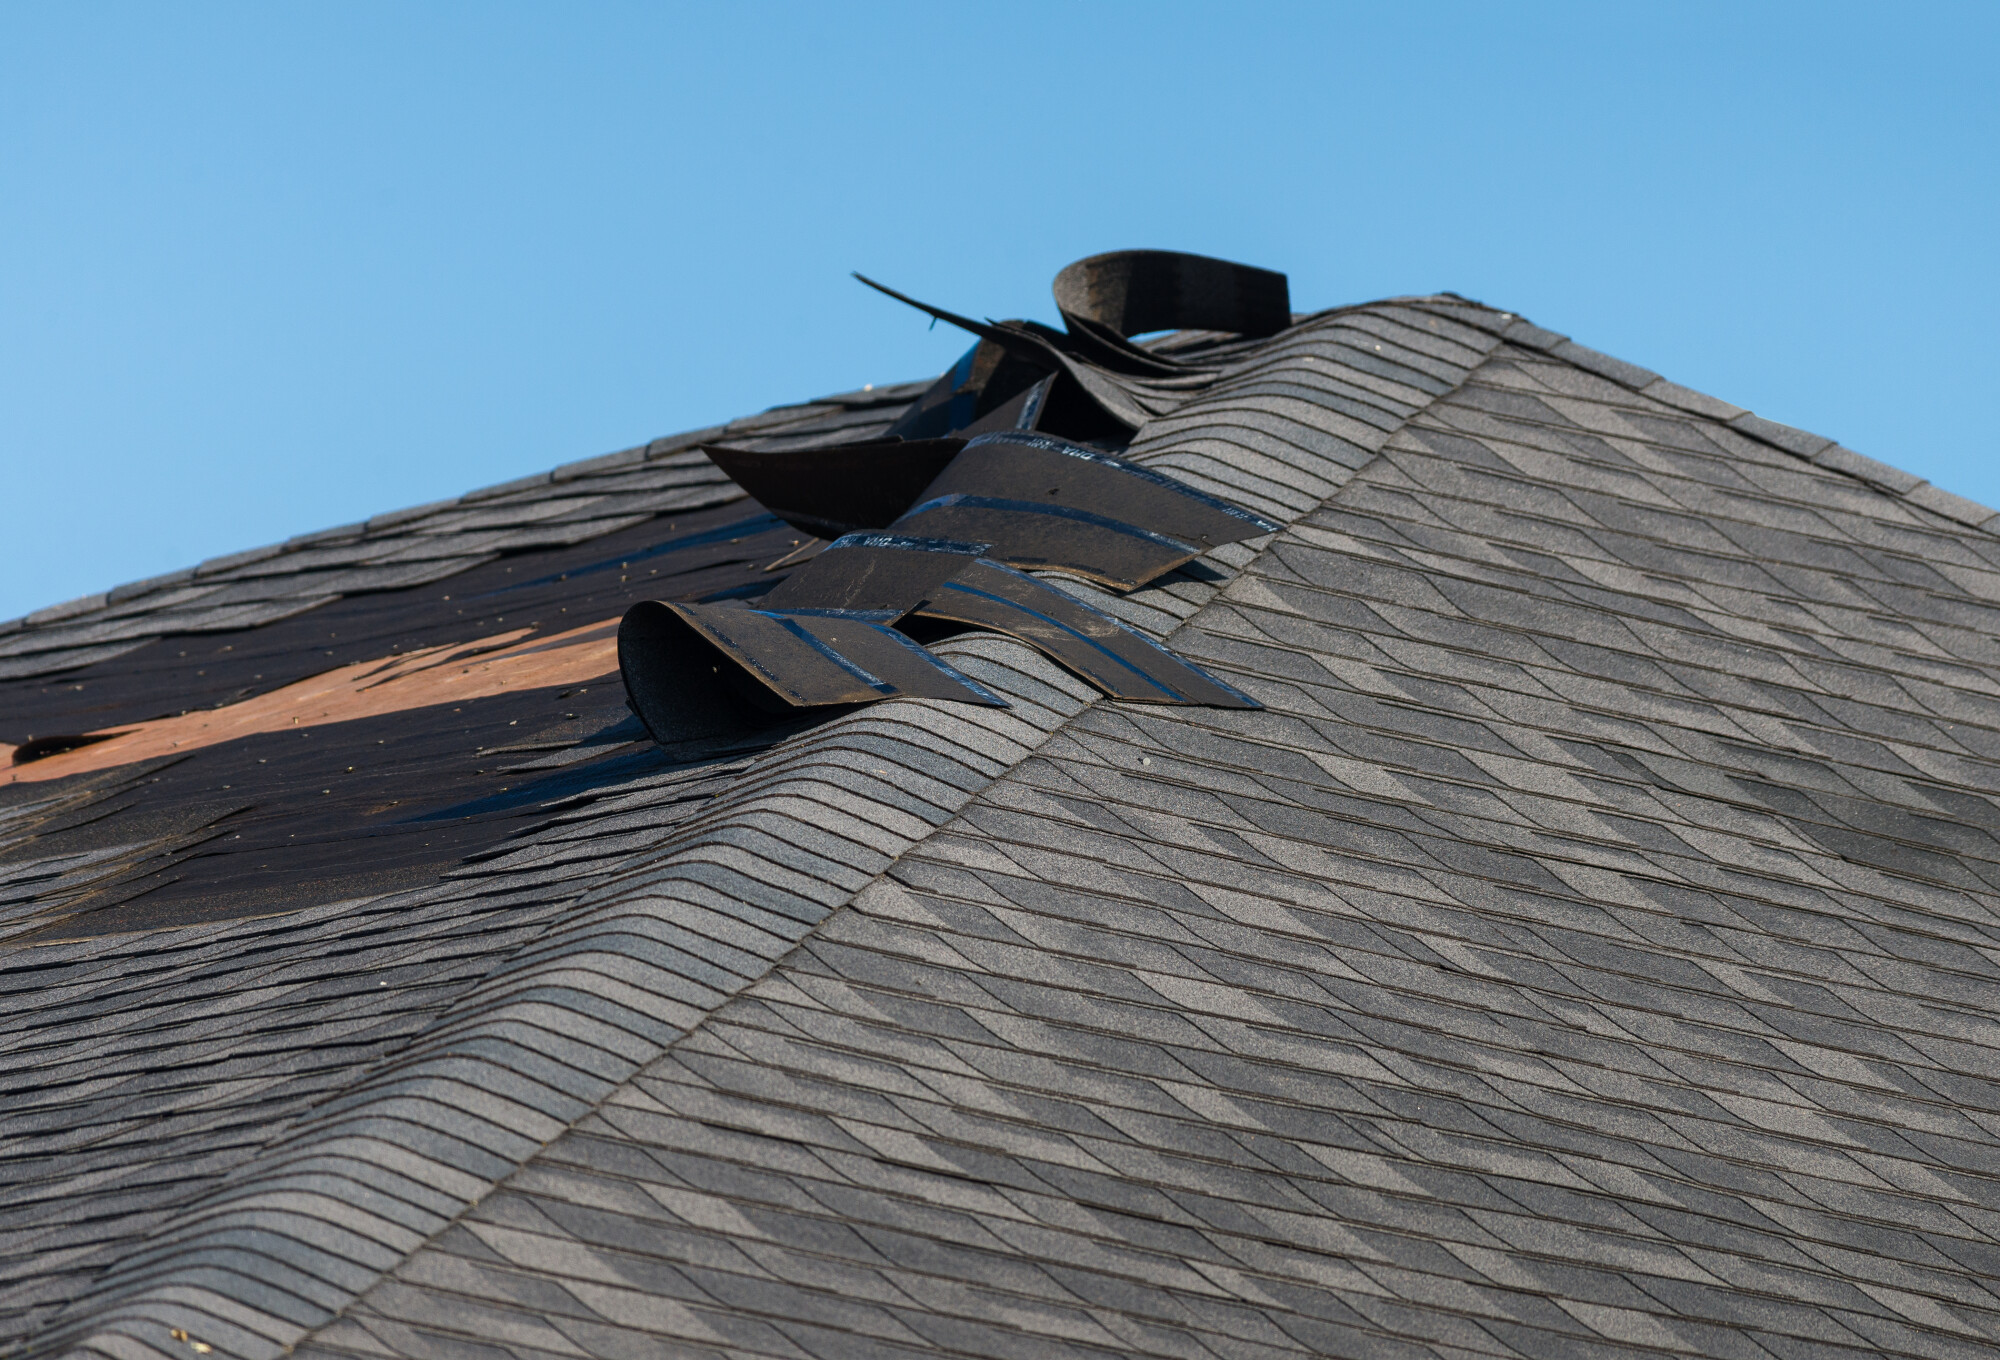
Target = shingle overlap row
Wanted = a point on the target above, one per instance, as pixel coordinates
(1590, 950)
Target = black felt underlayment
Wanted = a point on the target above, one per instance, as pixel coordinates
(267, 823)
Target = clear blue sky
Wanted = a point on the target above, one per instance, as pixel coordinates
(272, 267)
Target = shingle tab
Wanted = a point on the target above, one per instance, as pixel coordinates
(1867, 469)
(1526, 333)
(1800, 442)
(229, 561)
(509, 488)
(69, 609)
(1629, 375)
(1673, 394)
(396, 518)
(135, 589)
(1946, 504)
(334, 535)
(609, 462)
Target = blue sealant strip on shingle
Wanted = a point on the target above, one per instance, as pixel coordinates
(941, 664)
(860, 615)
(874, 682)
(936, 545)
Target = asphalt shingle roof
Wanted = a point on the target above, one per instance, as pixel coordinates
(1589, 948)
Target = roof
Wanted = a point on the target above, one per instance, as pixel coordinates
(1588, 947)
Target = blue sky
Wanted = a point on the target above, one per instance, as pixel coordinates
(269, 268)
